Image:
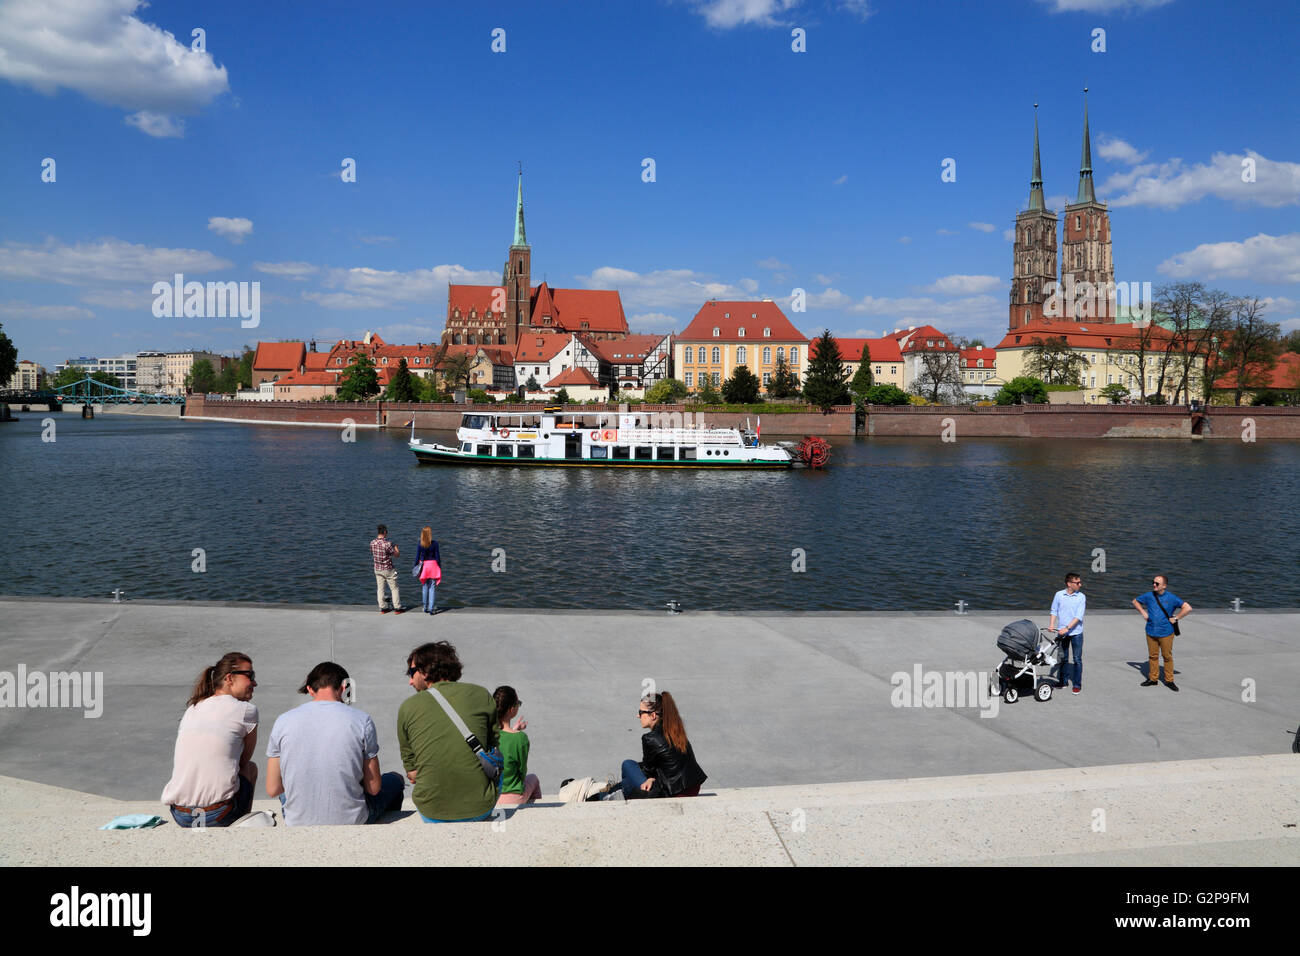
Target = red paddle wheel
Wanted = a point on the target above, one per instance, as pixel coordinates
(814, 451)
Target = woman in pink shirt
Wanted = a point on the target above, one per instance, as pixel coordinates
(212, 771)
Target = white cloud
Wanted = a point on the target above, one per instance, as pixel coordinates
(288, 270)
(375, 240)
(122, 299)
(646, 322)
(771, 262)
(1262, 258)
(858, 8)
(725, 14)
(1009, 235)
(1059, 201)
(1171, 184)
(829, 299)
(107, 260)
(409, 333)
(1114, 148)
(158, 125)
(749, 286)
(25, 310)
(662, 289)
(946, 232)
(824, 279)
(366, 288)
(103, 51)
(841, 180)
(963, 285)
(982, 226)
(904, 239)
(236, 230)
(1102, 6)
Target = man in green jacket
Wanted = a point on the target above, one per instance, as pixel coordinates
(449, 783)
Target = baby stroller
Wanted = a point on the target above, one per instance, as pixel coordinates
(1031, 656)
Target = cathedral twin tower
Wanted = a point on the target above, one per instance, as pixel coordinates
(1087, 269)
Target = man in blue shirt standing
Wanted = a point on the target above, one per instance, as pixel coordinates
(1067, 621)
(1161, 609)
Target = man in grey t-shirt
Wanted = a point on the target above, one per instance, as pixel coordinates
(323, 758)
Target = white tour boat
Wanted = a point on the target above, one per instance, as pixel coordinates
(559, 437)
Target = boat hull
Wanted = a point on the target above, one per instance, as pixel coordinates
(439, 456)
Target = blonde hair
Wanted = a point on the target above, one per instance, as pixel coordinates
(426, 536)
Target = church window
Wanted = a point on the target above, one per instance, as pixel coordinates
(1076, 222)
(1026, 316)
(469, 340)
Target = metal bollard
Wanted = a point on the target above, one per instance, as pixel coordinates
(117, 595)
(961, 607)
(1236, 605)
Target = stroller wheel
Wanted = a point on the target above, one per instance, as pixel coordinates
(1011, 695)
(1043, 691)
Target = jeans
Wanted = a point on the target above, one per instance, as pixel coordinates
(632, 780)
(466, 820)
(225, 814)
(430, 595)
(389, 797)
(1071, 644)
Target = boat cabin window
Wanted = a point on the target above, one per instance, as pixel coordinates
(527, 451)
(505, 451)
(664, 453)
(467, 446)
(620, 453)
(645, 453)
(689, 453)
(597, 451)
(474, 421)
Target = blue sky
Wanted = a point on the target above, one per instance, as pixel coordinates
(774, 169)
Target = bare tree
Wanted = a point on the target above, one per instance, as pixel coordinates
(1053, 361)
(1252, 347)
(939, 376)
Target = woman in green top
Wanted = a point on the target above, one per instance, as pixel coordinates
(517, 784)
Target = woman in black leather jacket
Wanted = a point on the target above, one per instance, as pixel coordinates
(667, 767)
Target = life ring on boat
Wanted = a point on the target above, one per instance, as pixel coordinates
(505, 433)
(608, 435)
(595, 436)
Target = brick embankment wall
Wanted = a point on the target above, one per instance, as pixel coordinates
(295, 413)
(1079, 421)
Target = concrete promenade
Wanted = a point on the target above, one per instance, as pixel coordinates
(792, 716)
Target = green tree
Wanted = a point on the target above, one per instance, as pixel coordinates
(107, 378)
(667, 391)
(8, 359)
(1053, 361)
(707, 393)
(202, 377)
(1023, 390)
(228, 380)
(1253, 346)
(360, 380)
(66, 376)
(784, 384)
(244, 368)
(862, 380)
(1114, 393)
(1290, 342)
(456, 369)
(742, 388)
(532, 385)
(562, 397)
(825, 384)
(479, 397)
(885, 395)
(427, 390)
(401, 385)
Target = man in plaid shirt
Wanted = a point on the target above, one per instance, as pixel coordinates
(383, 551)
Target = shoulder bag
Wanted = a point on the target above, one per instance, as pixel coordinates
(1172, 623)
(490, 760)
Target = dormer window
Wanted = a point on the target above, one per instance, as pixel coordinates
(716, 331)
(767, 333)
(980, 363)
(726, 315)
(740, 332)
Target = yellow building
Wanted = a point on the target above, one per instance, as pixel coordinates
(1114, 354)
(724, 335)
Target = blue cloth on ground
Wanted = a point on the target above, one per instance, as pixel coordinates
(133, 821)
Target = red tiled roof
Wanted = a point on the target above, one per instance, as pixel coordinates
(475, 297)
(573, 376)
(730, 317)
(1085, 335)
(540, 347)
(498, 354)
(309, 378)
(970, 357)
(919, 339)
(1284, 375)
(882, 350)
(276, 356)
(632, 350)
(600, 309)
(315, 361)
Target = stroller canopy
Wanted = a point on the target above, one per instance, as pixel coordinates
(1019, 639)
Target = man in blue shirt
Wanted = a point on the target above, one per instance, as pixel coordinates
(1067, 621)
(1161, 609)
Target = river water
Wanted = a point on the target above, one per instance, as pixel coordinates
(284, 514)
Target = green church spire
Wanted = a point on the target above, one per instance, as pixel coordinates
(1086, 193)
(1036, 184)
(520, 238)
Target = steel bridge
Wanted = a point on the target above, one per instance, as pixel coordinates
(90, 391)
